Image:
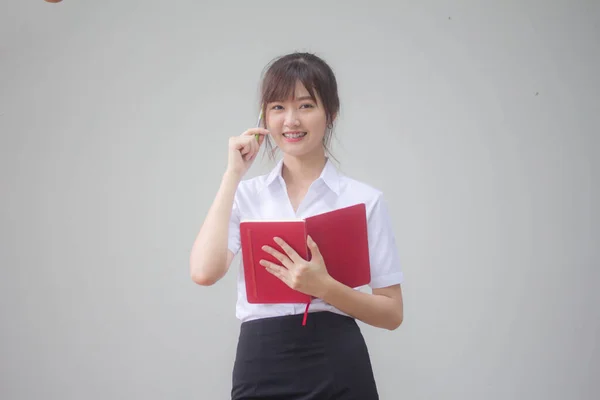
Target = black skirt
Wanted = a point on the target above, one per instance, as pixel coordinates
(278, 358)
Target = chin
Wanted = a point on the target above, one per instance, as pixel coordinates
(298, 151)
(295, 152)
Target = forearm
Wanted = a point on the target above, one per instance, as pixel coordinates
(208, 258)
(373, 309)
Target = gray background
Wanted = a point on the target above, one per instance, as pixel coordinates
(478, 120)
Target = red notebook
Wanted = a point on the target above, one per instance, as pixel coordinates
(341, 236)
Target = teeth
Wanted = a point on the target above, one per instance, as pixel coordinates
(294, 135)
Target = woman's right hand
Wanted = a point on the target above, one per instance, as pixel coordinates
(243, 150)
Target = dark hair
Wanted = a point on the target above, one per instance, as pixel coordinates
(279, 83)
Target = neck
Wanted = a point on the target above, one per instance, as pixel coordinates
(304, 170)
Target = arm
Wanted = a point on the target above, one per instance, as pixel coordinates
(383, 309)
(210, 258)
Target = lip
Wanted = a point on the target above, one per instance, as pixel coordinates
(293, 139)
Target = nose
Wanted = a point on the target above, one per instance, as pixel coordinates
(291, 118)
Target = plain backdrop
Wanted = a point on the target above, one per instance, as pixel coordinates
(479, 120)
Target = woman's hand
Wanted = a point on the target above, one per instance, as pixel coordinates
(243, 149)
(309, 277)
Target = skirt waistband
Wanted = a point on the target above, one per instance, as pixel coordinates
(320, 320)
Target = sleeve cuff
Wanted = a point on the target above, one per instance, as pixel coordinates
(233, 248)
(387, 280)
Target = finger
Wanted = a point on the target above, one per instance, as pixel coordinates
(251, 149)
(246, 153)
(243, 146)
(279, 256)
(248, 147)
(261, 139)
(291, 253)
(255, 148)
(257, 141)
(256, 131)
(277, 270)
(312, 245)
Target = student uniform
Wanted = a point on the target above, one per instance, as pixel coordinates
(327, 358)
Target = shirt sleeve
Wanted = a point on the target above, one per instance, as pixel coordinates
(383, 251)
(233, 242)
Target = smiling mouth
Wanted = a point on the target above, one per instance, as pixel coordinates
(294, 135)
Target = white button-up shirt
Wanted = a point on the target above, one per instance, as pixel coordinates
(265, 197)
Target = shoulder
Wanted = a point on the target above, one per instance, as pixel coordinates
(361, 192)
(356, 187)
(252, 184)
(248, 189)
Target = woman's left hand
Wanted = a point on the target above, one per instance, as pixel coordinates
(309, 277)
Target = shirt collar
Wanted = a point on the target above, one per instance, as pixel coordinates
(329, 175)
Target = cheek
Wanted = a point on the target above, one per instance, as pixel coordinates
(275, 124)
(318, 125)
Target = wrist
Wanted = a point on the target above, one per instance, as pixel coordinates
(330, 286)
(232, 176)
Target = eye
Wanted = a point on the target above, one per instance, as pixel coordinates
(277, 107)
(307, 105)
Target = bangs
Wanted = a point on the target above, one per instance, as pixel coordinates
(280, 82)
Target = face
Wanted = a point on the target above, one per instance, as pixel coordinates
(298, 124)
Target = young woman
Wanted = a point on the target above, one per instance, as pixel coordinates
(276, 356)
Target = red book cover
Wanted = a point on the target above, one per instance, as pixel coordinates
(341, 236)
